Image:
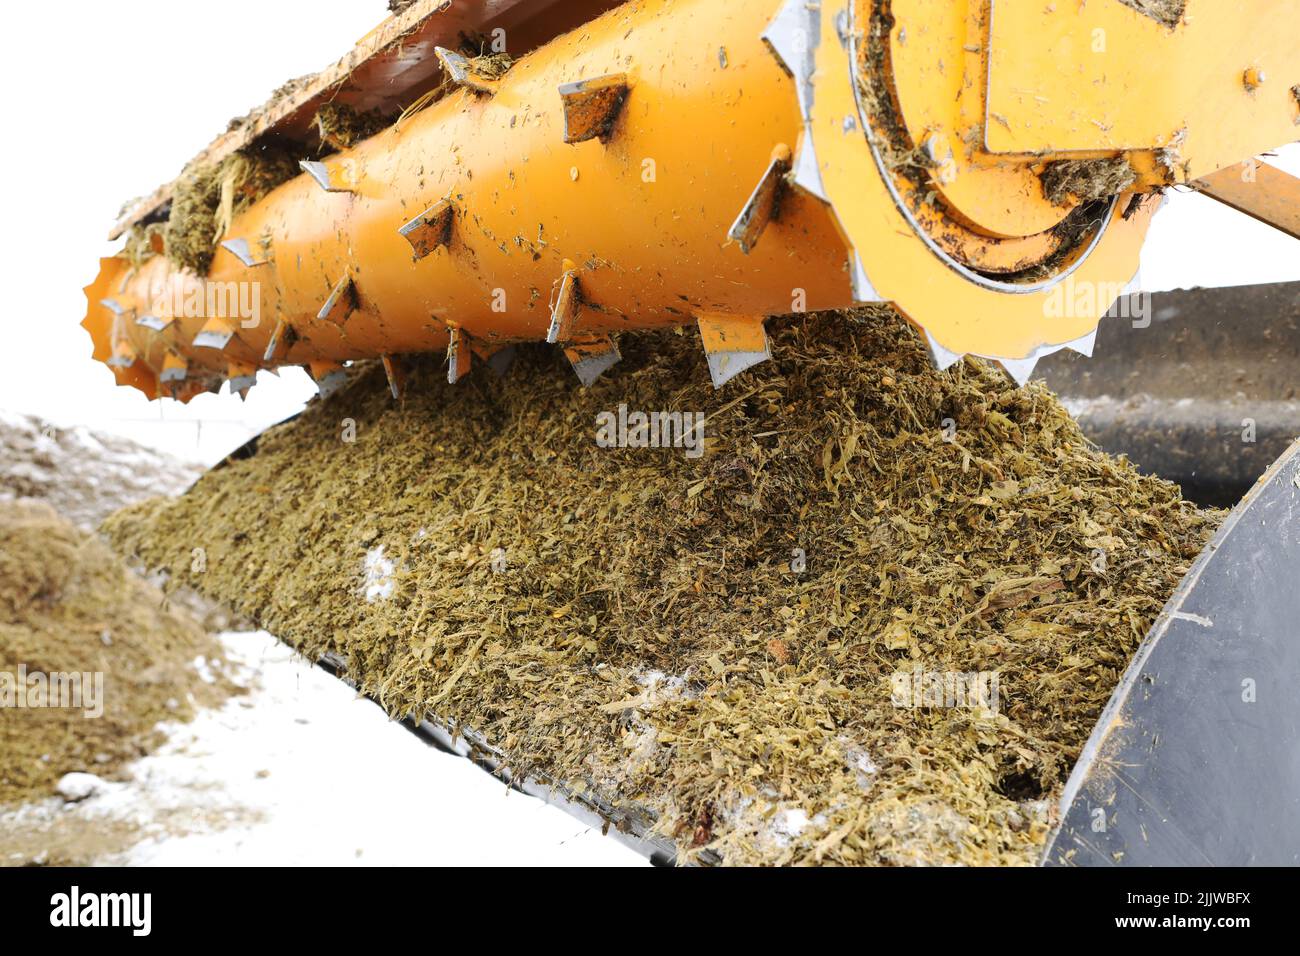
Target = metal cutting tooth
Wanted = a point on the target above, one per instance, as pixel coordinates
(215, 334)
(124, 355)
(565, 306)
(395, 368)
(591, 107)
(943, 358)
(430, 229)
(342, 302)
(863, 291)
(1020, 369)
(793, 37)
(154, 322)
(330, 177)
(174, 368)
(732, 344)
(328, 376)
(241, 250)
(460, 358)
(592, 355)
(764, 202)
(241, 376)
(1084, 345)
(464, 73)
(807, 174)
(282, 340)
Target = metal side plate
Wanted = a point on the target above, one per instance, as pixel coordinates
(1196, 759)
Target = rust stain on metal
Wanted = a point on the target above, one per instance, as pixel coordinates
(565, 305)
(765, 203)
(430, 229)
(592, 106)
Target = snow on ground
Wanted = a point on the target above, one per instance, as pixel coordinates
(82, 474)
(300, 771)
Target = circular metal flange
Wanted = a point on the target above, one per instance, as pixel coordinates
(1014, 264)
(934, 59)
(963, 310)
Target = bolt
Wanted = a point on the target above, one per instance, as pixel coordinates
(940, 158)
(1253, 78)
(933, 147)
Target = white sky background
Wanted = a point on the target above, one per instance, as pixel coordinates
(117, 97)
(110, 100)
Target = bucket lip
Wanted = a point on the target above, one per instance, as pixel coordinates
(626, 824)
(1168, 614)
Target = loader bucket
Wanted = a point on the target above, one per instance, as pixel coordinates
(1195, 759)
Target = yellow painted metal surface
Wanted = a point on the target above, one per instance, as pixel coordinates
(1259, 190)
(939, 61)
(724, 162)
(1100, 75)
(961, 315)
(644, 216)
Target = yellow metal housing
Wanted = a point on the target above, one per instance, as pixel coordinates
(696, 161)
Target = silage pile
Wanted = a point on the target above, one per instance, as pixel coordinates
(208, 196)
(716, 640)
(70, 610)
(83, 474)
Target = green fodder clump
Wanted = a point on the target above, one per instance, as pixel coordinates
(207, 197)
(143, 242)
(68, 605)
(1168, 12)
(342, 127)
(482, 62)
(719, 641)
(1087, 180)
